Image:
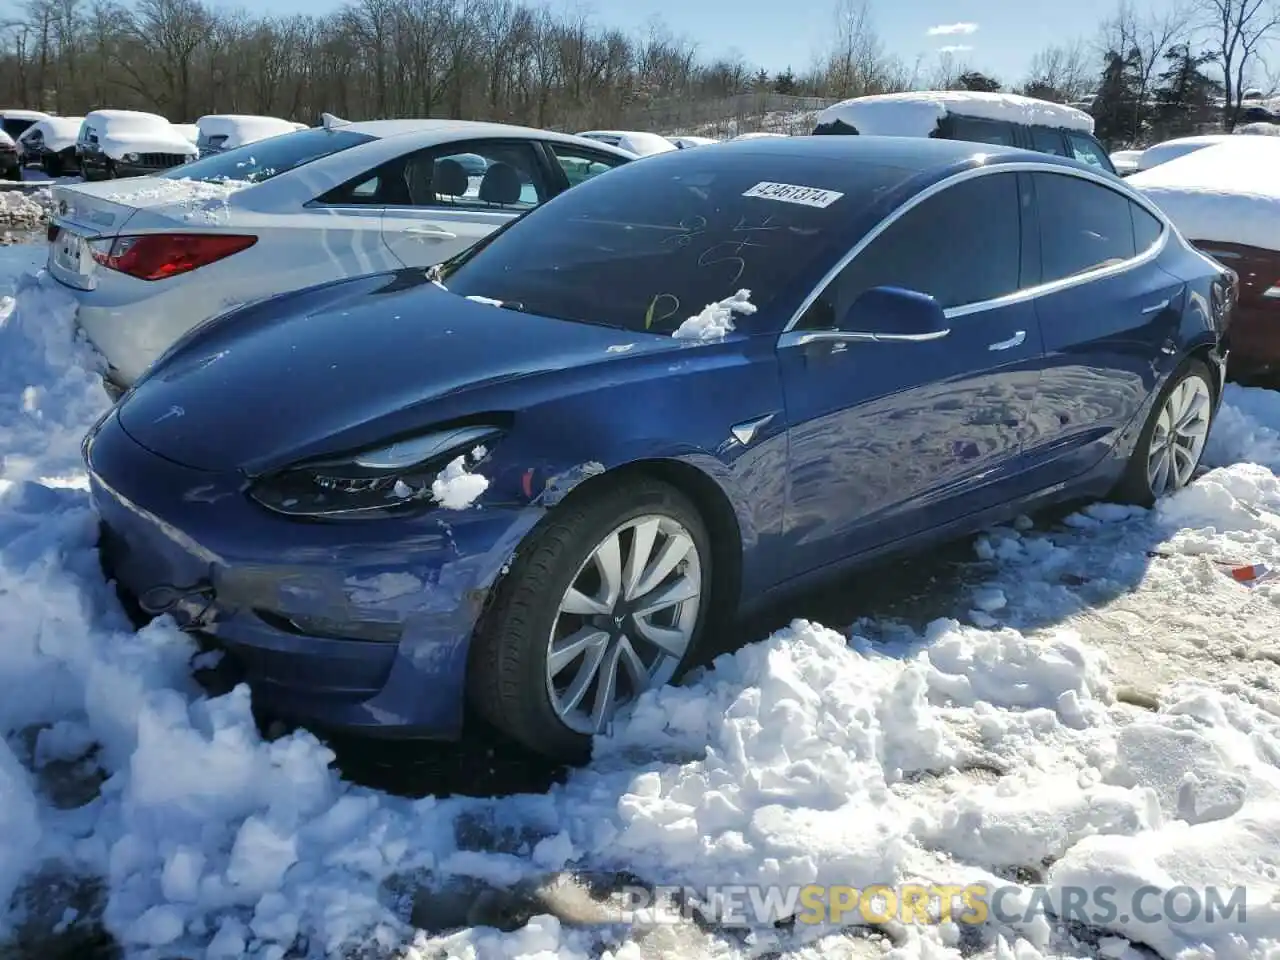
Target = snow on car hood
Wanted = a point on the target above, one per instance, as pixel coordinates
(916, 114)
(116, 145)
(1173, 149)
(1227, 192)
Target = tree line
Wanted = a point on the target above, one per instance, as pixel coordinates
(510, 60)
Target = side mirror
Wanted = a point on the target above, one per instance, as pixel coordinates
(894, 314)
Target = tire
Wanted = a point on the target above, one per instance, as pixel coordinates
(53, 165)
(111, 170)
(508, 682)
(1136, 486)
(84, 172)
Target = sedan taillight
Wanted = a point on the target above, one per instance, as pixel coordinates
(154, 256)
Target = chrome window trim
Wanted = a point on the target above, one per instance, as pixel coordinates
(1018, 296)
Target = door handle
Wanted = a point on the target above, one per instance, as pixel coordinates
(1155, 307)
(430, 233)
(1009, 344)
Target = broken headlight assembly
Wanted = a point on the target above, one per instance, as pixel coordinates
(383, 480)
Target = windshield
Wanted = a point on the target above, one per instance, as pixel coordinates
(269, 158)
(16, 127)
(649, 245)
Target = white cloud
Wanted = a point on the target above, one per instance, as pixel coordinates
(955, 48)
(952, 29)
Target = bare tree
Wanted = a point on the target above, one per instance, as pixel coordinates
(1237, 30)
(1066, 73)
(1144, 39)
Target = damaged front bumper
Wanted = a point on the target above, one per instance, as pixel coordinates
(357, 625)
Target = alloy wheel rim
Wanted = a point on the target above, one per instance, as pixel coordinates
(1177, 443)
(625, 622)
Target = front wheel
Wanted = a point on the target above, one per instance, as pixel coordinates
(608, 600)
(1172, 442)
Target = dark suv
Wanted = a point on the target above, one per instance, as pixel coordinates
(1002, 118)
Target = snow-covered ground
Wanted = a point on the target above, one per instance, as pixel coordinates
(1104, 713)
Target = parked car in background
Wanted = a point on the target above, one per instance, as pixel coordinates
(10, 162)
(129, 143)
(1125, 161)
(1168, 150)
(51, 143)
(685, 141)
(150, 259)
(16, 122)
(304, 467)
(1005, 119)
(637, 142)
(226, 131)
(1225, 199)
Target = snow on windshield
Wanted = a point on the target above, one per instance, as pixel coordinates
(1228, 191)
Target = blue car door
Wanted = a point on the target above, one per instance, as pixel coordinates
(1110, 326)
(889, 439)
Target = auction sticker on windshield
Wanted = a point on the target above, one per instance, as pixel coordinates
(793, 193)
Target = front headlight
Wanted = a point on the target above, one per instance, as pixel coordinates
(387, 479)
(130, 158)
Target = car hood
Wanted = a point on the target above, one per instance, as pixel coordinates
(321, 370)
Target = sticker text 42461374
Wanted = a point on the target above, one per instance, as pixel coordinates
(793, 193)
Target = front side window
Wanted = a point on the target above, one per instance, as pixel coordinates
(502, 177)
(580, 165)
(654, 243)
(1086, 150)
(269, 158)
(961, 246)
(1083, 225)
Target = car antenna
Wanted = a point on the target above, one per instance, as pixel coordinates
(330, 122)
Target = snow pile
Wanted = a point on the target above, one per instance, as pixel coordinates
(25, 208)
(916, 113)
(715, 322)
(1227, 191)
(1004, 755)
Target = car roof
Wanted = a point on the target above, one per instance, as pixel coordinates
(918, 154)
(385, 129)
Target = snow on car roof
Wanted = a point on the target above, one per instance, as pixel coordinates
(23, 114)
(916, 113)
(1172, 149)
(1229, 192)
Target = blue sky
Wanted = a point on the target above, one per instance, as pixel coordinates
(1008, 32)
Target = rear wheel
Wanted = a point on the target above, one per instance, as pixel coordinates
(609, 599)
(1172, 442)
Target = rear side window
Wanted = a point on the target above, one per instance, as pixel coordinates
(981, 131)
(979, 219)
(269, 158)
(1146, 228)
(1083, 225)
(1087, 150)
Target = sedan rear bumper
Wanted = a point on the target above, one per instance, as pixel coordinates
(356, 625)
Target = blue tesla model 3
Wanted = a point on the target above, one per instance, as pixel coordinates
(944, 335)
